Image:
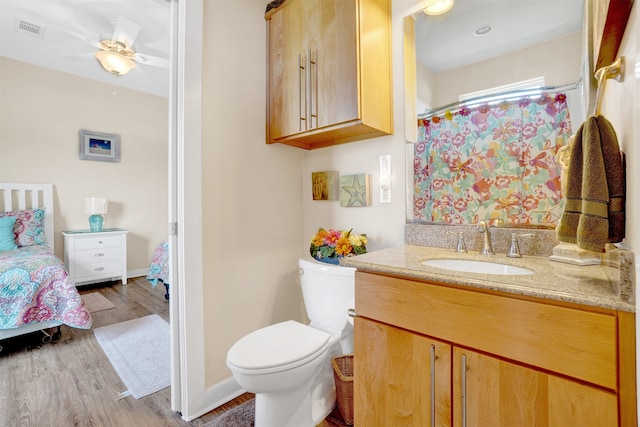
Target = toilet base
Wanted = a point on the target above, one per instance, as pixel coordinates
(294, 409)
(283, 410)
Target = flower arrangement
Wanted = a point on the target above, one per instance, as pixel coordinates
(331, 245)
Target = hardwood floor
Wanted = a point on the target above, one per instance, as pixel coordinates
(70, 382)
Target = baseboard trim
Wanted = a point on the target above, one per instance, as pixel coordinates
(137, 273)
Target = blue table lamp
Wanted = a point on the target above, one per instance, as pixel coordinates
(96, 207)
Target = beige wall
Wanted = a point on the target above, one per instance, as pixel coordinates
(252, 221)
(41, 112)
(558, 61)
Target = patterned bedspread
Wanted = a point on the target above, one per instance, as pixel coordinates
(159, 268)
(35, 288)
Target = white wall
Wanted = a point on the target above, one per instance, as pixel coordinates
(41, 112)
(622, 107)
(251, 197)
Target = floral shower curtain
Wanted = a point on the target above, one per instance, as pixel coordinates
(493, 163)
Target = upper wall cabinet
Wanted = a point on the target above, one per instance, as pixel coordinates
(328, 72)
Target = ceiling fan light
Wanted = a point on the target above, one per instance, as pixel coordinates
(115, 63)
(438, 7)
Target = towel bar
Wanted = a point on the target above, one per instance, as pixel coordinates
(613, 71)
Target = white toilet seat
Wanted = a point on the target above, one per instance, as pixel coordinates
(277, 347)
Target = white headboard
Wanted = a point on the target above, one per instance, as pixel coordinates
(30, 196)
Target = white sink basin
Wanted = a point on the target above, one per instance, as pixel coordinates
(482, 267)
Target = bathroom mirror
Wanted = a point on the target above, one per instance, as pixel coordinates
(598, 27)
(445, 61)
(483, 44)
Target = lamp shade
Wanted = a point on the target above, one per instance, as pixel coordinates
(115, 63)
(95, 205)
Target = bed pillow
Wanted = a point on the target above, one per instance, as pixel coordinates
(7, 238)
(29, 226)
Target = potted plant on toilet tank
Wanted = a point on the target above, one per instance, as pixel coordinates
(331, 245)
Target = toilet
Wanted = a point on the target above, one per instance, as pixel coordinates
(288, 365)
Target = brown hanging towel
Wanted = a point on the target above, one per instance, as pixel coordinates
(594, 210)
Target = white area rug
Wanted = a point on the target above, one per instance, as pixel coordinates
(139, 351)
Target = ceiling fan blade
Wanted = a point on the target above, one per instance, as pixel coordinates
(126, 31)
(141, 70)
(79, 56)
(154, 61)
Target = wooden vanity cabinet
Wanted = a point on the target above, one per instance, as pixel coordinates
(407, 373)
(500, 393)
(328, 72)
(500, 360)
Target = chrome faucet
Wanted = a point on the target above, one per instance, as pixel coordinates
(487, 248)
(461, 247)
(514, 249)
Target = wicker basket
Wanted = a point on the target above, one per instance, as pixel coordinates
(343, 374)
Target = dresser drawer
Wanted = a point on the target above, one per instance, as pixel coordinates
(98, 255)
(98, 242)
(97, 269)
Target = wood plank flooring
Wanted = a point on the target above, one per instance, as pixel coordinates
(70, 382)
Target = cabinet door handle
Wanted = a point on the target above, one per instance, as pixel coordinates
(463, 393)
(99, 254)
(99, 242)
(433, 385)
(302, 91)
(313, 89)
(98, 269)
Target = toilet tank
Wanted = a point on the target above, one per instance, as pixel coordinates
(328, 292)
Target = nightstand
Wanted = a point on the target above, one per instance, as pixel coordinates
(92, 257)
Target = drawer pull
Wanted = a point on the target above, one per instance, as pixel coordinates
(99, 269)
(100, 242)
(464, 390)
(432, 359)
(99, 254)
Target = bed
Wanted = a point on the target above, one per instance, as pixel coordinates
(159, 268)
(35, 291)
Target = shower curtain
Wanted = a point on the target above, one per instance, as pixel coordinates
(493, 162)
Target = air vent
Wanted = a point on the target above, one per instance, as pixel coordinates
(29, 28)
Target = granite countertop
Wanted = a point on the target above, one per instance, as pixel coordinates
(589, 285)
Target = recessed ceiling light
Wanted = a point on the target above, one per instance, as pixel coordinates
(482, 30)
(438, 7)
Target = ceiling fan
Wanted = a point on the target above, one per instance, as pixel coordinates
(116, 55)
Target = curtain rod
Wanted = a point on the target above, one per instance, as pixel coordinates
(509, 94)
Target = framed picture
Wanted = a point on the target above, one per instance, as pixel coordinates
(103, 147)
(324, 185)
(355, 190)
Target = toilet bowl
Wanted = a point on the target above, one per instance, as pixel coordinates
(288, 365)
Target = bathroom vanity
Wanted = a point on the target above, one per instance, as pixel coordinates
(445, 347)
